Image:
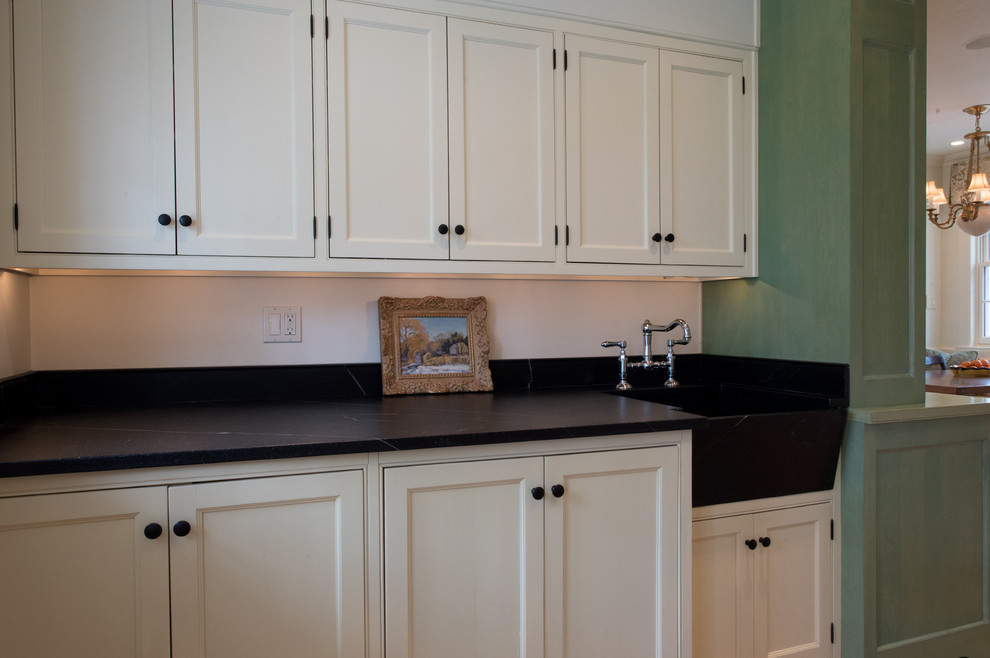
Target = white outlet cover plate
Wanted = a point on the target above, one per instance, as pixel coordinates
(277, 325)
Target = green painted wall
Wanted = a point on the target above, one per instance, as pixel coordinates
(841, 139)
(798, 308)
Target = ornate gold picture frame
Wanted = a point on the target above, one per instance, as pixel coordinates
(434, 345)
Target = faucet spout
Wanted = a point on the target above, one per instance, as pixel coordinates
(685, 329)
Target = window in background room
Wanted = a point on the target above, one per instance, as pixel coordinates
(983, 288)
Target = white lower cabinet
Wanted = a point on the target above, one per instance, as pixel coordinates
(255, 567)
(78, 577)
(563, 555)
(762, 584)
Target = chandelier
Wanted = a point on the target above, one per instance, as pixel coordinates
(972, 213)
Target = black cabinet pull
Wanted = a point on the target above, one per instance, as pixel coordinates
(459, 229)
(443, 229)
(657, 237)
(669, 237)
(152, 531)
(765, 541)
(557, 490)
(185, 220)
(164, 219)
(751, 544)
(538, 493)
(181, 528)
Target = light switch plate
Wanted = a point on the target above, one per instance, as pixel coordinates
(282, 324)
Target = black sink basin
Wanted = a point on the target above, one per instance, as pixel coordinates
(758, 443)
(720, 400)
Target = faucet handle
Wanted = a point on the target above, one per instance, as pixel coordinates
(621, 344)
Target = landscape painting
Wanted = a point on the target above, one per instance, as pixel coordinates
(434, 345)
(431, 345)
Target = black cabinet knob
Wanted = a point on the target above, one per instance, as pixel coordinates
(751, 544)
(557, 490)
(669, 237)
(657, 237)
(443, 229)
(459, 229)
(538, 493)
(765, 541)
(185, 220)
(152, 531)
(181, 528)
(164, 219)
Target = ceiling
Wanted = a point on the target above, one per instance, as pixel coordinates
(957, 76)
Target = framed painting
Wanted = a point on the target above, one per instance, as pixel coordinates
(434, 345)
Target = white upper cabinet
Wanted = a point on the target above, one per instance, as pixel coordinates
(613, 151)
(501, 120)
(244, 127)
(397, 136)
(100, 168)
(388, 133)
(703, 177)
(403, 87)
(93, 111)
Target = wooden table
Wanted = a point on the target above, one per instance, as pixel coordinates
(943, 381)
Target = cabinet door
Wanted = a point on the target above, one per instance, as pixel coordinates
(388, 133)
(501, 142)
(613, 554)
(244, 127)
(93, 106)
(78, 576)
(793, 582)
(704, 178)
(464, 560)
(613, 151)
(722, 588)
(270, 567)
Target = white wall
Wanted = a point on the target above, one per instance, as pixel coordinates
(731, 21)
(950, 283)
(15, 328)
(80, 322)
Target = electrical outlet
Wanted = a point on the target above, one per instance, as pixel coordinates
(282, 324)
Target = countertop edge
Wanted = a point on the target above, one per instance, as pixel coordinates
(936, 406)
(75, 445)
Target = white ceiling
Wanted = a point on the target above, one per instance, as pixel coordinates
(957, 77)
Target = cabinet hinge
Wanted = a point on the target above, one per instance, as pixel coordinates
(833, 633)
(314, 227)
(744, 85)
(16, 223)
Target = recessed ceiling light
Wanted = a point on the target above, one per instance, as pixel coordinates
(958, 142)
(979, 43)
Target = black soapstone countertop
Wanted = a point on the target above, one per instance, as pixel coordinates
(140, 436)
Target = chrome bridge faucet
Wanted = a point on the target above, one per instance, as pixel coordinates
(648, 362)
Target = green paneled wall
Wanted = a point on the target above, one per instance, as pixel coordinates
(841, 173)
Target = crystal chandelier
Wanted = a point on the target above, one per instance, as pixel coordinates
(972, 212)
